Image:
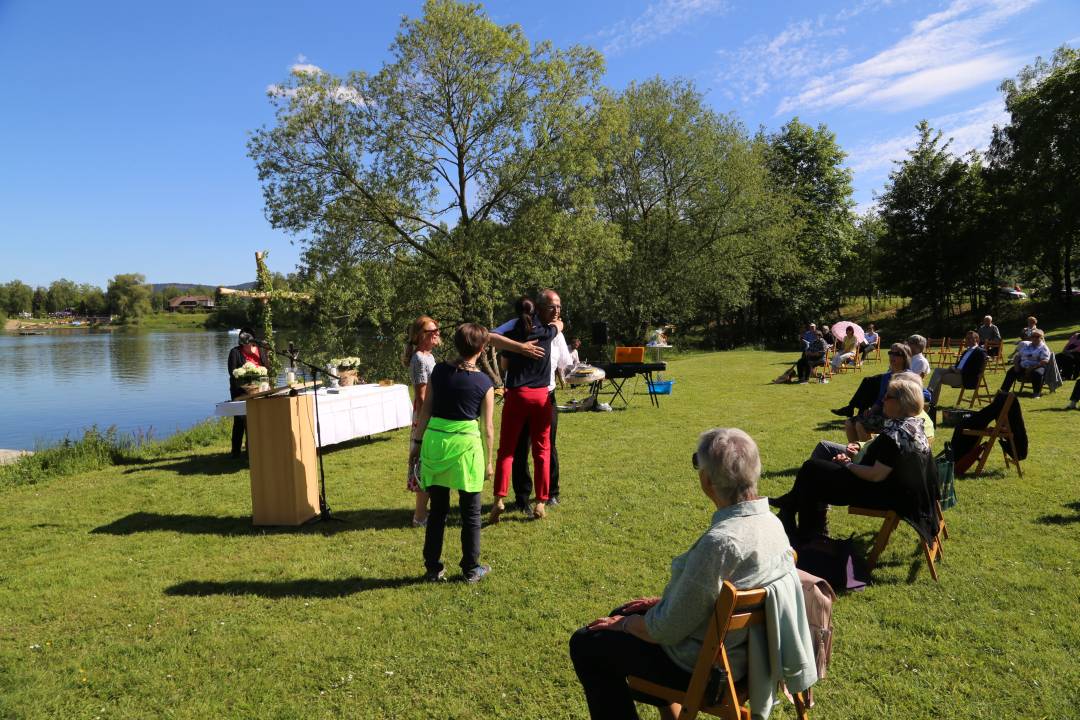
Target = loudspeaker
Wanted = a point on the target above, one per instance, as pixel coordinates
(599, 333)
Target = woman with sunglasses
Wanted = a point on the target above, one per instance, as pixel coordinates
(870, 397)
(424, 336)
(873, 481)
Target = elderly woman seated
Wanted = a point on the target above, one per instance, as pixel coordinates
(659, 639)
(876, 480)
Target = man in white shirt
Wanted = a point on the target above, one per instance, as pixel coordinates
(965, 373)
(549, 307)
(1032, 357)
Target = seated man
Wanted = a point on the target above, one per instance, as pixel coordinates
(1032, 357)
(808, 334)
(988, 331)
(660, 638)
(812, 357)
(870, 340)
(965, 373)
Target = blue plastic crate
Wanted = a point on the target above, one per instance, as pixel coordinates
(661, 387)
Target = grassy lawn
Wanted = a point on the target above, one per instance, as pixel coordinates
(142, 590)
(173, 321)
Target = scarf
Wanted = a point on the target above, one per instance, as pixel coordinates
(908, 434)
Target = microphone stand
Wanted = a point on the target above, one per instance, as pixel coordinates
(294, 359)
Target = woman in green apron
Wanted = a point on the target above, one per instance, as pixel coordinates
(453, 453)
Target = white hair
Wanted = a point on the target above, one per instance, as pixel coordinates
(730, 459)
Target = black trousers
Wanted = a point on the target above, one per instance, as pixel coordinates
(866, 394)
(239, 425)
(602, 660)
(1032, 375)
(469, 504)
(520, 476)
(804, 366)
(821, 483)
(1069, 365)
(1076, 392)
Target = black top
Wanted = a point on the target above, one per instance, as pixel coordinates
(883, 450)
(525, 371)
(236, 360)
(457, 393)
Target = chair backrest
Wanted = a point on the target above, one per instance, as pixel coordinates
(733, 610)
(630, 354)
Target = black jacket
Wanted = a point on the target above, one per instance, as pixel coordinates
(236, 359)
(973, 368)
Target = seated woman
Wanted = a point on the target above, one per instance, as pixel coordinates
(813, 356)
(871, 418)
(847, 349)
(659, 638)
(1030, 363)
(919, 364)
(871, 482)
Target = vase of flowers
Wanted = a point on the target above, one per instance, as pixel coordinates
(252, 377)
(348, 369)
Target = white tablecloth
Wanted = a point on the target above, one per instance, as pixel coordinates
(352, 412)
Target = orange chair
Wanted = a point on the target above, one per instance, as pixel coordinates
(630, 354)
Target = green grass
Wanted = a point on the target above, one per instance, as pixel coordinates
(173, 321)
(142, 590)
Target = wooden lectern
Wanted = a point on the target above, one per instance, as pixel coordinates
(284, 466)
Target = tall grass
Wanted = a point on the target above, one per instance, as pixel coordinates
(98, 449)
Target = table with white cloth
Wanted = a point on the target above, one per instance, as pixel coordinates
(350, 412)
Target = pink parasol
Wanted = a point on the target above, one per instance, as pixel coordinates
(839, 330)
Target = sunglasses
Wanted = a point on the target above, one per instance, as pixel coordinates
(436, 331)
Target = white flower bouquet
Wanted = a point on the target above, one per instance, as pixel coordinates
(348, 369)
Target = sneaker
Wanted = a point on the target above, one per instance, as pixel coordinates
(477, 574)
(552, 502)
(419, 523)
(435, 576)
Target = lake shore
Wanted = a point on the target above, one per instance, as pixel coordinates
(10, 456)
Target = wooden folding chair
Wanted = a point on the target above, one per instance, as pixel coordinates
(874, 353)
(932, 550)
(854, 364)
(954, 348)
(933, 350)
(980, 393)
(999, 430)
(825, 369)
(995, 352)
(712, 689)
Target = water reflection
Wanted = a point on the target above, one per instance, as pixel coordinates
(61, 383)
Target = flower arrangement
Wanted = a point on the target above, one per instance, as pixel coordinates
(348, 370)
(250, 373)
(346, 363)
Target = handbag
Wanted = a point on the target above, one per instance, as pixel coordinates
(833, 560)
(946, 477)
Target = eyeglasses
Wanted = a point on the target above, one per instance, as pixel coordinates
(694, 461)
(432, 332)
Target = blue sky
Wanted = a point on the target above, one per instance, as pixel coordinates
(123, 124)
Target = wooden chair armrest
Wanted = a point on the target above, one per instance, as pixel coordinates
(659, 691)
(977, 433)
(868, 512)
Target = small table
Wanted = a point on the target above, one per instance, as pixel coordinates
(658, 348)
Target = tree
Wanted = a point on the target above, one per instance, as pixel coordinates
(20, 298)
(807, 166)
(129, 297)
(421, 161)
(689, 195)
(1038, 155)
(92, 300)
(929, 210)
(41, 301)
(62, 294)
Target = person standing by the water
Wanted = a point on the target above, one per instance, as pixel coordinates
(246, 351)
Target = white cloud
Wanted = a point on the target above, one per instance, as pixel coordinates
(799, 51)
(945, 52)
(970, 129)
(658, 19)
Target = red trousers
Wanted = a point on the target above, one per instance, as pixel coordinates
(521, 405)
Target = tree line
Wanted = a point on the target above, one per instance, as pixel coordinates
(127, 296)
(476, 165)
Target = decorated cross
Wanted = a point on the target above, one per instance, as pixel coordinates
(264, 292)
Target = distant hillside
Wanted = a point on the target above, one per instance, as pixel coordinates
(185, 287)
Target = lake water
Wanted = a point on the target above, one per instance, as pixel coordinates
(63, 382)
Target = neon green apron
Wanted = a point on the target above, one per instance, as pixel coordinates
(452, 455)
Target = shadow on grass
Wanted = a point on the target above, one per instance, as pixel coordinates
(1051, 409)
(219, 464)
(1063, 519)
(837, 424)
(785, 473)
(308, 588)
(352, 520)
(357, 442)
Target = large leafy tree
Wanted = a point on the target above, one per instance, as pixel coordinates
(129, 297)
(1037, 157)
(929, 209)
(426, 161)
(806, 165)
(20, 298)
(689, 195)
